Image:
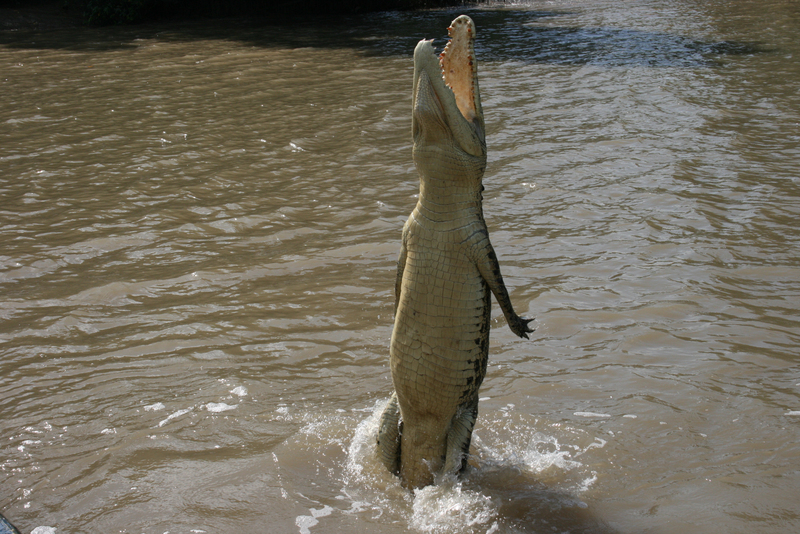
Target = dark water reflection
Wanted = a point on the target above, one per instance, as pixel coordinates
(507, 34)
(199, 226)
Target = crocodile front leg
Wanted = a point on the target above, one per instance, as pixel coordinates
(486, 261)
(401, 267)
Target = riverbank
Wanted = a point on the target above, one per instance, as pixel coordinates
(46, 15)
(40, 16)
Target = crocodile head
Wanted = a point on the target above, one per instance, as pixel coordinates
(446, 98)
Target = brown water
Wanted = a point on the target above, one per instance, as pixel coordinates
(199, 230)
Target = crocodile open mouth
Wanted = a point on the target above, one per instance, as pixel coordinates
(459, 68)
(446, 97)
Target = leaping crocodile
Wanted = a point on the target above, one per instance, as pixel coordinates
(445, 273)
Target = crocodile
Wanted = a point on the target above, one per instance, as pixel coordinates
(446, 273)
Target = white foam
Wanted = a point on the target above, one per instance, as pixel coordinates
(44, 530)
(305, 522)
(240, 391)
(217, 407)
(174, 415)
(793, 412)
(598, 444)
(154, 407)
(585, 487)
(592, 414)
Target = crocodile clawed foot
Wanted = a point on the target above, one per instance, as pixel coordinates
(519, 326)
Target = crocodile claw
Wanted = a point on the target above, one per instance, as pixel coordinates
(519, 326)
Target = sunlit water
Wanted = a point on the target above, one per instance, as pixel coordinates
(199, 230)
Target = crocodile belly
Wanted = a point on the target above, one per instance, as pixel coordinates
(440, 339)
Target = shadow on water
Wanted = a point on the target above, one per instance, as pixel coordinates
(506, 34)
(527, 504)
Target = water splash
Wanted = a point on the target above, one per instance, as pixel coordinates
(517, 474)
(450, 507)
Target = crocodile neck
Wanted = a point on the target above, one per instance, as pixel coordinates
(440, 201)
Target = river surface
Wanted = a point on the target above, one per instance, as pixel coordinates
(199, 225)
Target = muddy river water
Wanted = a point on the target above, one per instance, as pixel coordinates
(199, 225)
